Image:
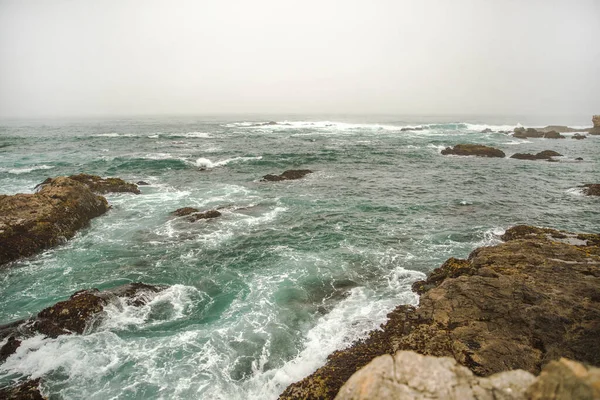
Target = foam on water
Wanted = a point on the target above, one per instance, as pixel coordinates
(25, 170)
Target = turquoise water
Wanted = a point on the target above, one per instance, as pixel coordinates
(292, 270)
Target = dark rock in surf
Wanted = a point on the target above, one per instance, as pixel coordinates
(473, 150)
(106, 185)
(30, 223)
(195, 215)
(591, 189)
(579, 159)
(553, 135)
(287, 175)
(408, 129)
(517, 305)
(487, 130)
(524, 133)
(142, 183)
(542, 155)
(578, 136)
(181, 212)
(81, 311)
(28, 390)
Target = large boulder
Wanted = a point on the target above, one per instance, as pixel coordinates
(553, 135)
(591, 189)
(287, 175)
(101, 185)
(79, 312)
(517, 305)
(473, 150)
(30, 223)
(410, 376)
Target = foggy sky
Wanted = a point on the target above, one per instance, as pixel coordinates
(126, 57)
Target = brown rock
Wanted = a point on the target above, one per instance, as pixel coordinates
(553, 135)
(30, 223)
(517, 305)
(523, 133)
(596, 121)
(195, 214)
(566, 380)
(578, 136)
(106, 185)
(181, 212)
(542, 155)
(591, 189)
(28, 390)
(473, 150)
(287, 175)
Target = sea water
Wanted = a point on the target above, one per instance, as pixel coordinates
(292, 270)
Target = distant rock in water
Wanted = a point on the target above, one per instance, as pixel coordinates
(524, 133)
(596, 128)
(195, 214)
(408, 129)
(287, 175)
(30, 223)
(578, 136)
(487, 130)
(542, 155)
(579, 159)
(516, 305)
(473, 150)
(74, 315)
(591, 189)
(142, 183)
(553, 135)
(106, 185)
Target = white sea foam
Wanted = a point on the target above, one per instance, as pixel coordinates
(494, 128)
(206, 163)
(575, 191)
(25, 170)
(491, 237)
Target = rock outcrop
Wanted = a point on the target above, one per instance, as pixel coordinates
(473, 150)
(81, 311)
(553, 135)
(591, 189)
(287, 175)
(28, 390)
(596, 128)
(542, 155)
(30, 223)
(101, 185)
(517, 305)
(195, 214)
(525, 133)
(410, 376)
(578, 136)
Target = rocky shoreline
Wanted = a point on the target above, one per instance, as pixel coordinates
(517, 305)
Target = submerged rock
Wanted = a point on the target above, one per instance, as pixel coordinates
(517, 305)
(408, 375)
(30, 223)
(473, 150)
(287, 175)
(542, 155)
(195, 214)
(80, 312)
(29, 390)
(106, 185)
(591, 189)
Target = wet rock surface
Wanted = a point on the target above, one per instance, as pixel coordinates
(473, 150)
(28, 390)
(591, 189)
(101, 185)
(517, 305)
(194, 214)
(578, 136)
(287, 175)
(542, 155)
(81, 311)
(30, 223)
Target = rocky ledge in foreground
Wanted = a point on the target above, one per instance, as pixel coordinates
(28, 390)
(101, 185)
(408, 375)
(194, 214)
(542, 155)
(473, 150)
(517, 305)
(81, 311)
(30, 223)
(287, 175)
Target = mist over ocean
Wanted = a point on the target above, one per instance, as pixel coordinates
(292, 270)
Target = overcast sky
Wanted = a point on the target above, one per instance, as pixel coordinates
(126, 57)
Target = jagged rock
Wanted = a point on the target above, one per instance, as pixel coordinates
(566, 380)
(517, 305)
(74, 315)
(523, 133)
(591, 189)
(553, 135)
(195, 214)
(487, 130)
(542, 155)
(29, 390)
(578, 136)
(106, 185)
(287, 175)
(473, 150)
(408, 375)
(30, 223)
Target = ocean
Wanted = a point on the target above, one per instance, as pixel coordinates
(292, 270)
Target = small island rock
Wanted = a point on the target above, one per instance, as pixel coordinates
(287, 175)
(473, 150)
